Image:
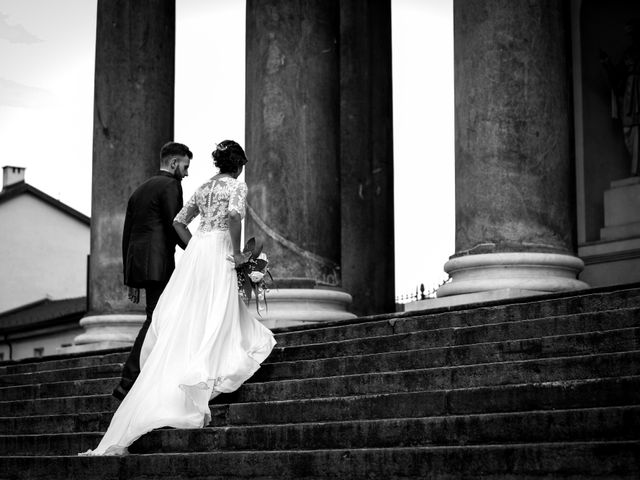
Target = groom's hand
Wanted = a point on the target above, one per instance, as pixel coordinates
(134, 294)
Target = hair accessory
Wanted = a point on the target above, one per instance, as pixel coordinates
(221, 147)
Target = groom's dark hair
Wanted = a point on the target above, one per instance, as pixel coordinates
(173, 148)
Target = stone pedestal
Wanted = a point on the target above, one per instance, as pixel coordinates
(292, 142)
(514, 177)
(526, 272)
(133, 118)
(106, 331)
(289, 307)
(622, 210)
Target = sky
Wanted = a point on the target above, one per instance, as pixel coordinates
(47, 51)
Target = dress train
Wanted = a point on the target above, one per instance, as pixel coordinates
(202, 341)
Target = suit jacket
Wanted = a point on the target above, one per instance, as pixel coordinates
(148, 239)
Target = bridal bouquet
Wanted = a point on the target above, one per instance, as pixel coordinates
(251, 274)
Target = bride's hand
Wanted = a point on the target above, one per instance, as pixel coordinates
(239, 258)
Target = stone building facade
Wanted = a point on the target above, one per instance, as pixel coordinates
(536, 151)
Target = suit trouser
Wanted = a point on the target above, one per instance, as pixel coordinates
(131, 368)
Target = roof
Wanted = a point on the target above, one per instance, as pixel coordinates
(19, 188)
(43, 313)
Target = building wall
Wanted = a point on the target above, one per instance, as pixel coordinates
(605, 157)
(49, 340)
(44, 253)
(598, 26)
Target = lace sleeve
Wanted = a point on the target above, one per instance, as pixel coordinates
(188, 212)
(238, 198)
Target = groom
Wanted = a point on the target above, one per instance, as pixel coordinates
(149, 241)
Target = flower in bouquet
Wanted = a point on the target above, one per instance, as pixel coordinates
(256, 276)
(252, 274)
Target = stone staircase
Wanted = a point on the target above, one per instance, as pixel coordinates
(547, 387)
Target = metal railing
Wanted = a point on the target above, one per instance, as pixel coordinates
(420, 294)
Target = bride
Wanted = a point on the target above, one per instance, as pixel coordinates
(202, 340)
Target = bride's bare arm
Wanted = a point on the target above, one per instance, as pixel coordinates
(235, 230)
(182, 231)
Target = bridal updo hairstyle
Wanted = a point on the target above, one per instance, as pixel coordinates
(229, 156)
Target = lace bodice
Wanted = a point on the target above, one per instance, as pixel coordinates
(213, 201)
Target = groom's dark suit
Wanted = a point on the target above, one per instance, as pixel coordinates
(149, 240)
(148, 249)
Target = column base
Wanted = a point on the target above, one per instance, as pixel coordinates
(512, 271)
(106, 331)
(287, 307)
(284, 308)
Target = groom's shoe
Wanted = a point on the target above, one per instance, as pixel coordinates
(119, 393)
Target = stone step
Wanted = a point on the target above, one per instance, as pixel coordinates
(527, 329)
(49, 444)
(388, 324)
(596, 424)
(59, 405)
(585, 460)
(619, 340)
(39, 424)
(499, 373)
(585, 393)
(545, 387)
(64, 362)
(464, 335)
(610, 423)
(537, 370)
(47, 376)
(567, 345)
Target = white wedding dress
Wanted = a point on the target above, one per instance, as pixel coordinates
(203, 340)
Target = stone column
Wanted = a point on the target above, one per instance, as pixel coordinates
(292, 141)
(514, 169)
(133, 118)
(366, 155)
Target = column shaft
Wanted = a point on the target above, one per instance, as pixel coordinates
(292, 136)
(293, 145)
(514, 170)
(133, 118)
(366, 155)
